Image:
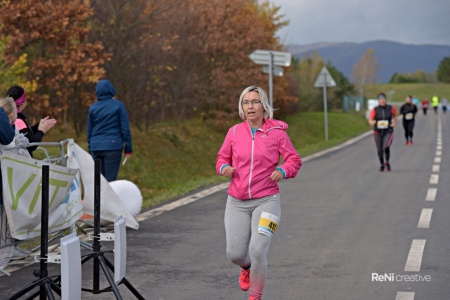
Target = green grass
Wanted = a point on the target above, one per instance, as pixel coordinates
(170, 159)
(401, 90)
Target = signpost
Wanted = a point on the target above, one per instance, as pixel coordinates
(323, 80)
(271, 61)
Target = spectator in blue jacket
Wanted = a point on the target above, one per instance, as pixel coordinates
(108, 132)
(6, 137)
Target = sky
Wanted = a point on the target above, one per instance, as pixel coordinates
(416, 22)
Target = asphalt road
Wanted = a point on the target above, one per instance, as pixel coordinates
(343, 226)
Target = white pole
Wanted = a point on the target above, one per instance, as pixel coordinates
(270, 80)
(325, 106)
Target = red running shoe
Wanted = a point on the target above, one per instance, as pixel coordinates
(244, 280)
(254, 298)
(388, 167)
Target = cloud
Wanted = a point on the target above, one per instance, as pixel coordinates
(406, 21)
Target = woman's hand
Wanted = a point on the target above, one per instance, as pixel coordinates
(276, 176)
(45, 124)
(228, 171)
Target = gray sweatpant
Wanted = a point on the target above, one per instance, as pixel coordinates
(245, 244)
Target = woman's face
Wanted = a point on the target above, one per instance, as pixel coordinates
(22, 106)
(252, 107)
(382, 101)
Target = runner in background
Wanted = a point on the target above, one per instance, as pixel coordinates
(383, 118)
(425, 104)
(435, 103)
(444, 103)
(408, 110)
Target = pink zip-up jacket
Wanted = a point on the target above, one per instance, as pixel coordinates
(255, 158)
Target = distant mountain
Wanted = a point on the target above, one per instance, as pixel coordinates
(392, 57)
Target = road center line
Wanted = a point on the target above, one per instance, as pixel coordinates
(439, 147)
(436, 168)
(434, 178)
(414, 260)
(438, 153)
(405, 296)
(437, 160)
(425, 218)
(431, 194)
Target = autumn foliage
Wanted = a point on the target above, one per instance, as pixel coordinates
(168, 59)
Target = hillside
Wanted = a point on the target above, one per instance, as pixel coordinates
(392, 57)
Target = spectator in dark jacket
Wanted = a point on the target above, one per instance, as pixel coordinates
(108, 131)
(34, 133)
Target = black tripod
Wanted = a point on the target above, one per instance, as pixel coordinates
(99, 256)
(45, 283)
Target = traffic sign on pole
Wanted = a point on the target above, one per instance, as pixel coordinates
(323, 80)
(277, 71)
(262, 57)
(271, 61)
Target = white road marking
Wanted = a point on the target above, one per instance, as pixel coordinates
(438, 153)
(434, 178)
(431, 194)
(183, 201)
(437, 160)
(436, 168)
(439, 147)
(414, 260)
(425, 218)
(405, 296)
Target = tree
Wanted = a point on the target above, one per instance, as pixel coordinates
(343, 87)
(63, 63)
(365, 71)
(14, 72)
(176, 58)
(443, 72)
(305, 71)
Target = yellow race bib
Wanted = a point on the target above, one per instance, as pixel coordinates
(409, 116)
(268, 224)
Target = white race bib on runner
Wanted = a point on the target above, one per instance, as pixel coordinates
(382, 124)
(409, 116)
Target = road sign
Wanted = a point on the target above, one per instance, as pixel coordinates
(277, 71)
(270, 59)
(263, 57)
(324, 79)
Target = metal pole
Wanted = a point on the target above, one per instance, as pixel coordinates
(271, 80)
(325, 114)
(44, 229)
(96, 245)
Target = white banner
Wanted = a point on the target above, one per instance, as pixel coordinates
(22, 190)
(110, 205)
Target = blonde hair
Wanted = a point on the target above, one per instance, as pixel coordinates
(9, 106)
(268, 111)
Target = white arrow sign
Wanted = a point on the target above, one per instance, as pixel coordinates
(262, 57)
(324, 79)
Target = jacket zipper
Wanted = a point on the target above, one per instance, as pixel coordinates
(251, 160)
